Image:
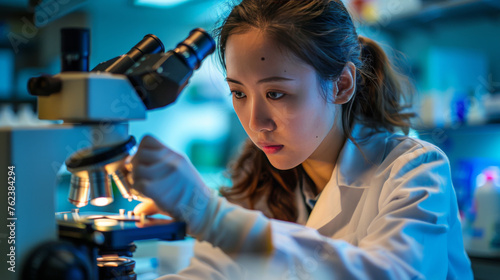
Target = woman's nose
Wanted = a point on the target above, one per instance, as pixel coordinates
(260, 118)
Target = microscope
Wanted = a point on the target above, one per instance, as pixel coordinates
(94, 145)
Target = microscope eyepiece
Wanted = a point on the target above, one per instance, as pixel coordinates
(159, 78)
(44, 85)
(196, 47)
(75, 49)
(150, 44)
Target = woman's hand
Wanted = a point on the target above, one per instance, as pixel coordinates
(171, 182)
(176, 188)
(148, 207)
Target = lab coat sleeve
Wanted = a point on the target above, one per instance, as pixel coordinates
(408, 238)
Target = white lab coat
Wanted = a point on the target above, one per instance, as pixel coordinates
(394, 216)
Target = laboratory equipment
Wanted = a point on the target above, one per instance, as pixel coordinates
(94, 144)
(482, 229)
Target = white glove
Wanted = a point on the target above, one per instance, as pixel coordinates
(175, 186)
(170, 181)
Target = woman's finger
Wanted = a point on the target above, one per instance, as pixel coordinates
(170, 163)
(149, 142)
(152, 172)
(148, 207)
(148, 156)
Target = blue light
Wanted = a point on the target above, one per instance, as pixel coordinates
(159, 3)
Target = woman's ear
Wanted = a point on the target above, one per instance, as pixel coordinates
(345, 87)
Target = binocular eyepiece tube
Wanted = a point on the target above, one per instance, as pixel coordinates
(148, 45)
(196, 47)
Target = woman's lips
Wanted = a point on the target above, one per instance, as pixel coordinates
(272, 149)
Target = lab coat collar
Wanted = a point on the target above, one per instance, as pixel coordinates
(352, 171)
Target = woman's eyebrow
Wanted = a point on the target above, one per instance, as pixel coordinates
(265, 80)
(229, 80)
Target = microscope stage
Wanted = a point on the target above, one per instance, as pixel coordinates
(111, 230)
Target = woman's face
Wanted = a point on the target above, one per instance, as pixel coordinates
(278, 100)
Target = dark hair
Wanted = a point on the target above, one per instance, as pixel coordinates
(322, 34)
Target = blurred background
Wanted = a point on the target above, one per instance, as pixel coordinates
(448, 48)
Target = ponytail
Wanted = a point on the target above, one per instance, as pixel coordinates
(381, 89)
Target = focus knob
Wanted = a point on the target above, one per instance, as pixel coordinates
(57, 260)
(44, 85)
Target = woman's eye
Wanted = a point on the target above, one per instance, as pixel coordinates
(275, 95)
(238, 94)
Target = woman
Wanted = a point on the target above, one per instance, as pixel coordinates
(325, 187)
